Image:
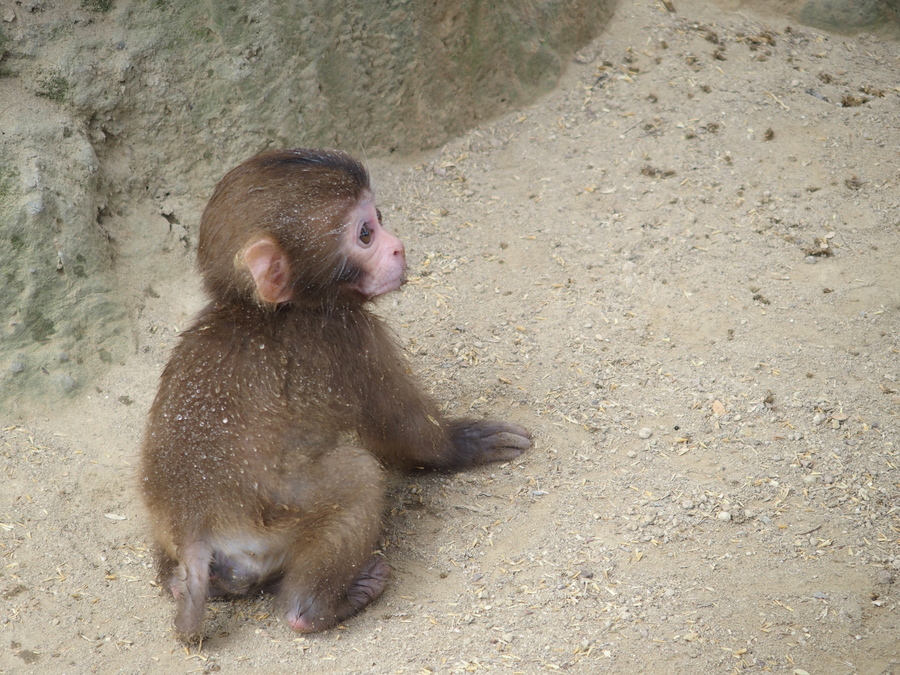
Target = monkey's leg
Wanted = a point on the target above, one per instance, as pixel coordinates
(332, 574)
(188, 582)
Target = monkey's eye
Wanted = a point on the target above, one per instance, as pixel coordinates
(365, 234)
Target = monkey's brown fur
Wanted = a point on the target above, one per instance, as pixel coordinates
(262, 460)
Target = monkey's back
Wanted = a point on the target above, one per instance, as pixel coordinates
(247, 399)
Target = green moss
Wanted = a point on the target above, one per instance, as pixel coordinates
(39, 327)
(204, 34)
(12, 285)
(97, 5)
(79, 268)
(55, 87)
(7, 183)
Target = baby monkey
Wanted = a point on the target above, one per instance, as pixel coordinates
(262, 461)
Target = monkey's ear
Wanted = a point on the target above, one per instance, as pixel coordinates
(270, 269)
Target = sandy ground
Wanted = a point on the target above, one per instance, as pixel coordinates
(680, 270)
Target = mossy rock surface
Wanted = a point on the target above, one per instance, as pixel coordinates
(107, 104)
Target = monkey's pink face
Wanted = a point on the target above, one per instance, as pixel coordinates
(379, 255)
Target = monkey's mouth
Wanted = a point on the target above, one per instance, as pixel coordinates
(371, 292)
(387, 287)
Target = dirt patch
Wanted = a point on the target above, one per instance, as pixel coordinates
(679, 270)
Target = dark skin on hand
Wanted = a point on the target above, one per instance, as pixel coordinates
(262, 464)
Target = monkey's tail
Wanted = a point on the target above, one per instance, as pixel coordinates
(190, 584)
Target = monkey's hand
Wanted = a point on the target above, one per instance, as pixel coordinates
(482, 441)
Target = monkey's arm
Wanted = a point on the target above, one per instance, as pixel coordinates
(420, 437)
(403, 426)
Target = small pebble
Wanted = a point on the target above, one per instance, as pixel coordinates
(687, 504)
(810, 260)
(645, 432)
(818, 418)
(65, 383)
(724, 516)
(16, 367)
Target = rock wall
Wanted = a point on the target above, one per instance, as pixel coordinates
(104, 102)
(842, 16)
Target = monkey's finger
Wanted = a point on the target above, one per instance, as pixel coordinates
(498, 453)
(493, 427)
(512, 440)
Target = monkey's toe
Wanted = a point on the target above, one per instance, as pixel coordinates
(370, 584)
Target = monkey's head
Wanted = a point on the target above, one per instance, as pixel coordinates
(297, 226)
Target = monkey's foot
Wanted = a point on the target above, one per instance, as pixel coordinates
(309, 616)
(369, 584)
